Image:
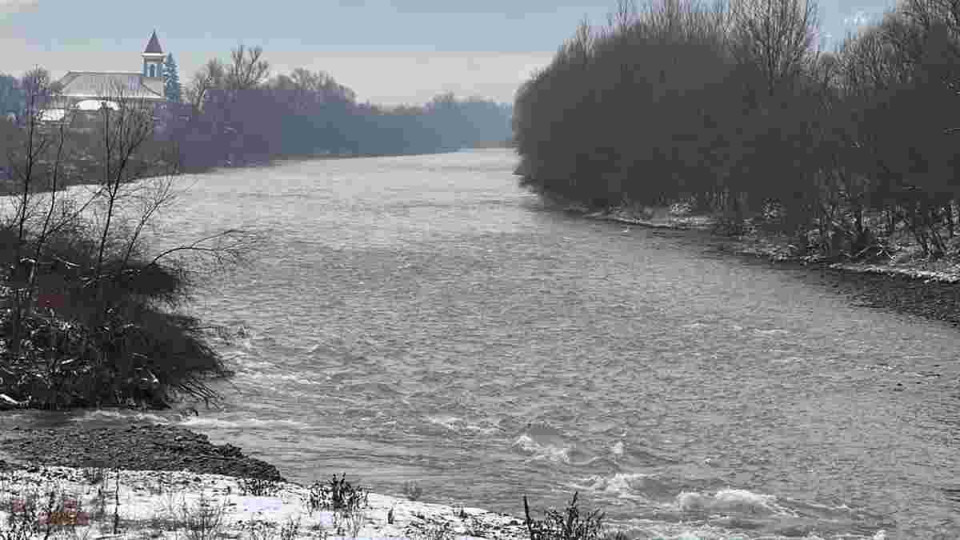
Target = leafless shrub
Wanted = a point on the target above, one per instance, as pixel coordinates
(569, 524)
(412, 490)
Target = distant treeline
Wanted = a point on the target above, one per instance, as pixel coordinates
(732, 109)
(234, 113)
(237, 113)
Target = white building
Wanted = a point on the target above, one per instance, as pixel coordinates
(93, 90)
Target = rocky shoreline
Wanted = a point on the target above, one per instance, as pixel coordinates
(138, 446)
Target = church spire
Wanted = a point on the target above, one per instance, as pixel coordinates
(153, 58)
(153, 47)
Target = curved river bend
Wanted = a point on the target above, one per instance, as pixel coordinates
(422, 318)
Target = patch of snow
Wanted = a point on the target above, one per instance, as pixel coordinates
(157, 503)
(52, 115)
(96, 105)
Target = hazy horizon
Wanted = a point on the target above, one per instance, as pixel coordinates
(388, 52)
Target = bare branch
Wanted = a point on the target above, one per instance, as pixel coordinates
(248, 70)
(230, 247)
(211, 75)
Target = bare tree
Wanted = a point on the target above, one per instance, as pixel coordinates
(927, 13)
(623, 17)
(775, 35)
(212, 75)
(27, 161)
(581, 46)
(116, 339)
(215, 252)
(124, 130)
(306, 80)
(247, 70)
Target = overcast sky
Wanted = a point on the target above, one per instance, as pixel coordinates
(388, 51)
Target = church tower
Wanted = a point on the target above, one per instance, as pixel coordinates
(153, 58)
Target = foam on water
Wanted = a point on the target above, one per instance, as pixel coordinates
(539, 452)
(729, 513)
(246, 423)
(731, 501)
(620, 485)
(770, 332)
(644, 529)
(250, 364)
(115, 414)
(449, 422)
(459, 425)
(262, 376)
(617, 448)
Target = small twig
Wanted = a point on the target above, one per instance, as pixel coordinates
(116, 504)
(529, 522)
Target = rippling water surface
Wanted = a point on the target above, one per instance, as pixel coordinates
(421, 318)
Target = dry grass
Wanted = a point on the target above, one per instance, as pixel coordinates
(257, 486)
(95, 512)
(571, 523)
(61, 502)
(412, 490)
(101, 504)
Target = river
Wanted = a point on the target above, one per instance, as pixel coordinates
(421, 318)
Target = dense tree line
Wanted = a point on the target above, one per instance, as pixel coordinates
(237, 113)
(732, 109)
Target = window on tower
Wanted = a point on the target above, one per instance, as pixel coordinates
(153, 70)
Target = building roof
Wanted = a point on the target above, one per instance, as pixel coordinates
(93, 84)
(154, 46)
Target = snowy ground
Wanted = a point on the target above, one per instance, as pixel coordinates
(773, 247)
(174, 505)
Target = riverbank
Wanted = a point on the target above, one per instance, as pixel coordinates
(89, 168)
(160, 481)
(905, 283)
(133, 447)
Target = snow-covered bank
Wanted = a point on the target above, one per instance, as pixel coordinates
(170, 505)
(777, 248)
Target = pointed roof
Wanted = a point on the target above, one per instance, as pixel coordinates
(154, 45)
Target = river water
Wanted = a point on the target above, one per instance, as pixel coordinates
(421, 318)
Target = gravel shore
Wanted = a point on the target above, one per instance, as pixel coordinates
(132, 447)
